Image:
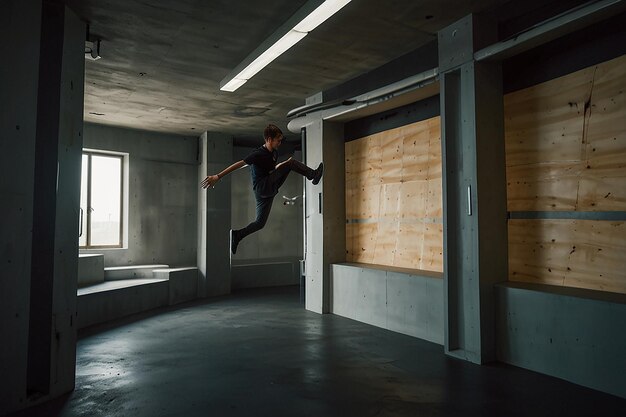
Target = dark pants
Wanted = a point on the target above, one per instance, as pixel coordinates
(265, 191)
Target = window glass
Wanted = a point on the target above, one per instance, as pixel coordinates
(82, 218)
(106, 204)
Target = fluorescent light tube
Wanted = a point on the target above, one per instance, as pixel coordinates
(319, 15)
(289, 39)
(233, 84)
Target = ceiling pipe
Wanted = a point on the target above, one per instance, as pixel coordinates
(307, 114)
(550, 29)
(534, 36)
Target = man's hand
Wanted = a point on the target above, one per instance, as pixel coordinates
(210, 181)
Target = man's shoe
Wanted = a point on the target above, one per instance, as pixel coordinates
(318, 173)
(234, 241)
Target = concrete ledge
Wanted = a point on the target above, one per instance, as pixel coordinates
(112, 273)
(573, 334)
(90, 269)
(112, 300)
(265, 274)
(183, 283)
(401, 300)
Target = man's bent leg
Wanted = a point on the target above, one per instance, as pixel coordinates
(263, 208)
(301, 169)
(311, 174)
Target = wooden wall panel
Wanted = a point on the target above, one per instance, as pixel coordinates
(393, 197)
(566, 151)
(573, 253)
(603, 185)
(566, 142)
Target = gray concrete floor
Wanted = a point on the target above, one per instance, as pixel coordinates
(259, 353)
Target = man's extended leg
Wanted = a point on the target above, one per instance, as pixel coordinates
(263, 208)
(294, 165)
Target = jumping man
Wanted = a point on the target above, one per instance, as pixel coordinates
(267, 177)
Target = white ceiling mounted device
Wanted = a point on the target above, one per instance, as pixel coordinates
(307, 18)
(92, 50)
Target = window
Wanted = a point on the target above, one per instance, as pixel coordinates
(101, 201)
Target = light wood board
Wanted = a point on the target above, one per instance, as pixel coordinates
(393, 197)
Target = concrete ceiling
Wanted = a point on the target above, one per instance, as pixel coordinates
(162, 61)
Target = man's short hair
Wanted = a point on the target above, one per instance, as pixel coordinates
(272, 132)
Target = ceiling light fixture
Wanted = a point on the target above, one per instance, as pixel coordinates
(307, 18)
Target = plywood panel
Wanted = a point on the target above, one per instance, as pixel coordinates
(543, 187)
(602, 194)
(432, 249)
(393, 196)
(366, 202)
(544, 123)
(434, 202)
(410, 243)
(364, 242)
(566, 151)
(413, 200)
(386, 240)
(391, 161)
(566, 142)
(574, 253)
(603, 183)
(364, 161)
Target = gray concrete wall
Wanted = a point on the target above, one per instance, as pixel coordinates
(325, 211)
(403, 301)
(573, 334)
(214, 207)
(163, 192)
(70, 142)
(41, 96)
(266, 273)
(474, 187)
(20, 22)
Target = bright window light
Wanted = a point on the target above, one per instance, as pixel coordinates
(101, 201)
(293, 36)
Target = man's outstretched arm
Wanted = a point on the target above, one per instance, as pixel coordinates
(211, 180)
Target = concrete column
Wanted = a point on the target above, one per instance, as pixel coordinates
(214, 216)
(474, 188)
(42, 91)
(69, 164)
(20, 33)
(325, 212)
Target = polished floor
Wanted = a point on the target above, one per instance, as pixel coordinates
(259, 353)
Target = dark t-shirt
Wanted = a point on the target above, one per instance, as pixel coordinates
(262, 162)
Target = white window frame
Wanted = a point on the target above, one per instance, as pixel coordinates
(85, 215)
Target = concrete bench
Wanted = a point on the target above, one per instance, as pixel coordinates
(264, 274)
(131, 271)
(112, 300)
(145, 287)
(90, 269)
(183, 283)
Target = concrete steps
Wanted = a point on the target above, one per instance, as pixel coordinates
(128, 290)
(113, 273)
(90, 269)
(112, 300)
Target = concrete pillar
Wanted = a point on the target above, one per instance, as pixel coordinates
(325, 212)
(474, 188)
(20, 29)
(214, 216)
(42, 92)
